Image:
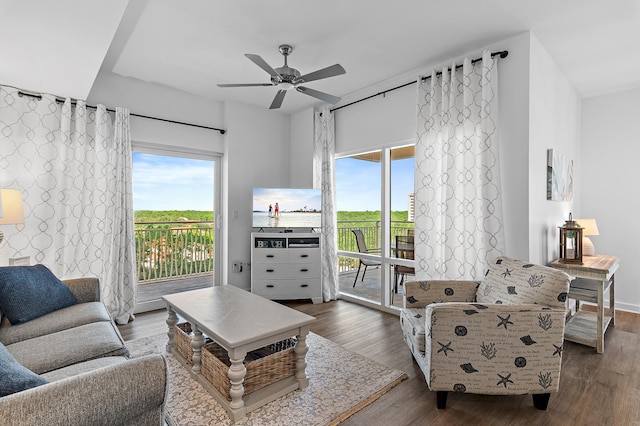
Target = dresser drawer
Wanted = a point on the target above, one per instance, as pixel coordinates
(286, 289)
(304, 255)
(286, 270)
(270, 255)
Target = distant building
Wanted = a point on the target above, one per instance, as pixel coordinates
(412, 207)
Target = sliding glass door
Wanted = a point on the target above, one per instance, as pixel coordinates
(375, 204)
(174, 200)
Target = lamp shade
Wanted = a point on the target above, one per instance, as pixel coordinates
(11, 207)
(590, 226)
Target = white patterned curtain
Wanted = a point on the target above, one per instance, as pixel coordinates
(459, 226)
(324, 178)
(73, 167)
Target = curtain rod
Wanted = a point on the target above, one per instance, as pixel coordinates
(61, 100)
(503, 54)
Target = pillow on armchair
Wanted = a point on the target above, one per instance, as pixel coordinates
(29, 292)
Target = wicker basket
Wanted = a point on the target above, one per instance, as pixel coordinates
(183, 338)
(264, 366)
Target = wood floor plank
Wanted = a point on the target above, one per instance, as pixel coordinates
(597, 389)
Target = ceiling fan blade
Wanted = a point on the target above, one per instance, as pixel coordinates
(327, 72)
(256, 59)
(317, 94)
(277, 101)
(245, 85)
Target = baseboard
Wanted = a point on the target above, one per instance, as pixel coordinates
(627, 307)
(152, 305)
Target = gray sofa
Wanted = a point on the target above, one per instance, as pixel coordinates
(79, 351)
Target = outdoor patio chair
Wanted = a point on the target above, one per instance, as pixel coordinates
(362, 248)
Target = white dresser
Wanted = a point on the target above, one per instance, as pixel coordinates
(286, 266)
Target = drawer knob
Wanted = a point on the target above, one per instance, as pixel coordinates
(270, 255)
(270, 286)
(304, 270)
(304, 255)
(304, 285)
(269, 270)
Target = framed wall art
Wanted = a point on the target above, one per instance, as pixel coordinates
(559, 176)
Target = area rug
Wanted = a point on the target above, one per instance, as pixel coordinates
(341, 383)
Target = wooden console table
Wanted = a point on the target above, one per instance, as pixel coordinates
(592, 279)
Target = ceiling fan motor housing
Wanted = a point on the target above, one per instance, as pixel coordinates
(289, 75)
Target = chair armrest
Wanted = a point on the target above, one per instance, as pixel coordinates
(84, 289)
(419, 294)
(494, 349)
(131, 393)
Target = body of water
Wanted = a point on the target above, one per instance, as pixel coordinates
(287, 220)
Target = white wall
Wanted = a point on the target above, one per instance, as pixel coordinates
(257, 154)
(302, 140)
(554, 122)
(610, 176)
(152, 100)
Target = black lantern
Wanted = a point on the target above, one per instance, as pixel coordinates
(571, 242)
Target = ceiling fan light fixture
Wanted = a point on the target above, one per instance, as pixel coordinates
(285, 85)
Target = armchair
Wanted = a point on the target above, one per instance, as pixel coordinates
(501, 336)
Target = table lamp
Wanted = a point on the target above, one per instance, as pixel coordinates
(590, 228)
(11, 208)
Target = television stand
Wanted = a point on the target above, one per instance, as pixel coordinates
(286, 266)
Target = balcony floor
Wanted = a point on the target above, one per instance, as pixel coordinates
(154, 290)
(369, 288)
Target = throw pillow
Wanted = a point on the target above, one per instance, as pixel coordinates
(15, 377)
(28, 292)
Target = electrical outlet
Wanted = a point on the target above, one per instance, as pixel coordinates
(237, 266)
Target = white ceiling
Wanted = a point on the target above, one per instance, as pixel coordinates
(57, 47)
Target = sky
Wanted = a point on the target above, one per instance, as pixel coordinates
(358, 184)
(173, 183)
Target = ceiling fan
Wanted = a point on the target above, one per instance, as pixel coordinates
(286, 78)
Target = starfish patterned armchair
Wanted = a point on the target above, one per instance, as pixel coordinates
(501, 336)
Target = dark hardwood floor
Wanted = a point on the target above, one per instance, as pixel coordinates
(595, 389)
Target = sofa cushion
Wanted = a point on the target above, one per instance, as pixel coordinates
(510, 281)
(412, 322)
(62, 319)
(67, 347)
(82, 367)
(14, 377)
(28, 292)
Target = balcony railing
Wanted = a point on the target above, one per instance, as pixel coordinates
(178, 249)
(372, 231)
(173, 249)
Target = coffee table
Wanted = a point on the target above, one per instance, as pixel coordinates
(239, 322)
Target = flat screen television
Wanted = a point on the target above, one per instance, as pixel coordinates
(287, 208)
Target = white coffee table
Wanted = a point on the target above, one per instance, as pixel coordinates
(239, 322)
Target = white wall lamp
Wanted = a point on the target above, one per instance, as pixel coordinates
(11, 208)
(590, 228)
